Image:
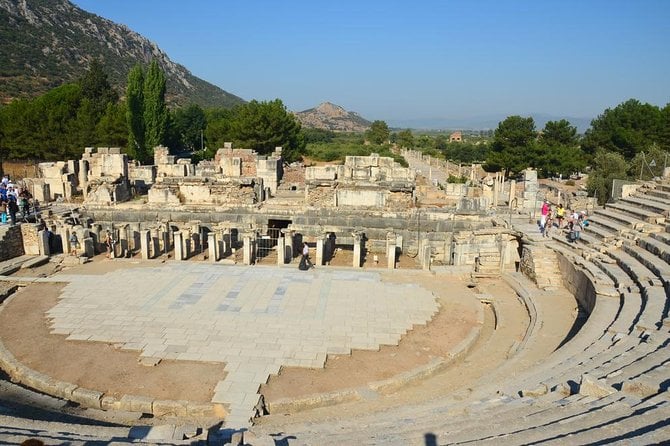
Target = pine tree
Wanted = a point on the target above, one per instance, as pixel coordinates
(135, 114)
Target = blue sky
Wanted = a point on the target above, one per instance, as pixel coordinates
(417, 60)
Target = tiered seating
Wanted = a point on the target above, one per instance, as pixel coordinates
(607, 384)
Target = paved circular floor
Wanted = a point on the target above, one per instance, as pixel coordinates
(253, 319)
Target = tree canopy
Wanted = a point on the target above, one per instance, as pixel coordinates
(262, 126)
(628, 129)
(513, 145)
(378, 133)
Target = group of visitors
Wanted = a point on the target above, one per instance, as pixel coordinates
(574, 223)
(13, 200)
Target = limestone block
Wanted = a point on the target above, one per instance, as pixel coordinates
(590, 386)
(145, 241)
(135, 403)
(640, 387)
(538, 391)
(213, 246)
(86, 397)
(175, 408)
(179, 248)
(109, 403)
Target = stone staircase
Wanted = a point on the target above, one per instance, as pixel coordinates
(541, 266)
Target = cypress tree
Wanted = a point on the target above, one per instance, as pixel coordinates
(155, 111)
(135, 114)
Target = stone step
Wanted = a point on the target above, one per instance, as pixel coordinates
(552, 422)
(637, 212)
(614, 221)
(655, 246)
(654, 195)
(648, 425)
(602, 233)
(652, 262)
(602, 316)
(652, 206)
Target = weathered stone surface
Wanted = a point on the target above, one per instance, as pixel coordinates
(109, 403)
(176, 408)
(135, 403)
(86, 397)
(537, 391)
(590, 386)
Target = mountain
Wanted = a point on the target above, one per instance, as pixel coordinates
(46, 43)
(329, 116)
(485, 122)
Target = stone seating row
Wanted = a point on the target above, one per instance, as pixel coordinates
(620, 346)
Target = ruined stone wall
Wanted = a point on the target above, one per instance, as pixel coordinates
(29, 237)
(202, 193)
(105, 162)
(141, 177)
(399, 201)
(11, 242)
(323, 197)
(236, 162)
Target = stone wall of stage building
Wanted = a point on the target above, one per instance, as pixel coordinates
(236, 162)
(220, 193)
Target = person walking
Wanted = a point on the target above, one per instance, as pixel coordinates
(560, 215)
(74, 243)
(544, 211)
(13, 208)
(305, 262)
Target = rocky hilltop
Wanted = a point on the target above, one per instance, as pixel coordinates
(48, 42)
(329, 116)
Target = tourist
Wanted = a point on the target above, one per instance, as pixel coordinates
(305, 263)
(3, 209)
(109, 244)
(576, 231)
(13, 208)
(548, 224)
(560, 214)
(544, 211)
(74, 243)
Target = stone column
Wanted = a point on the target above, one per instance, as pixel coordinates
(43, 243)
(280, 251)
(123, 240)
(65, 238)
(358, 242)
(166, 239)
(89, 247)
(248, 251)
(225, 242)
(319, 251)
(496, 189)
(145, 243)
(179, 251)
(425, 255)
(213, 246)
(288, 247)
(83, 176)
(390, 252)
(512, 192)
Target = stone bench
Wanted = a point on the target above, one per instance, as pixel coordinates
(614, 222)
(637, 212)
(654, 207)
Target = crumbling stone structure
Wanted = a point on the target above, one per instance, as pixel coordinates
(372, 182)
